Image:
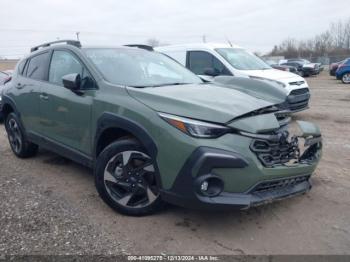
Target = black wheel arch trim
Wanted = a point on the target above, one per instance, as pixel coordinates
(8, 100)
(110, 120)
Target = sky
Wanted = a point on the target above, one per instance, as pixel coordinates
(255, 25)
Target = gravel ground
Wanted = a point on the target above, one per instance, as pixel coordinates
(49, 205)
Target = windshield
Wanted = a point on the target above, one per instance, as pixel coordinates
(139, 68)
(241, 59)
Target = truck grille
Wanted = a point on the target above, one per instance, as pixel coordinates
(279, 184)
(300, 91)
(272, 153)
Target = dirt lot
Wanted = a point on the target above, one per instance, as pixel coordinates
(49, 205)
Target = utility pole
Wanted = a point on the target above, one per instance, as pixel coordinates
(77, 33)
(204, 39)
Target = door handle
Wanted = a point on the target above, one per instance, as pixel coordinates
(20, 86)
(44, 96)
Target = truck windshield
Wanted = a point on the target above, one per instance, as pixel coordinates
(139, 68)
(241, 59)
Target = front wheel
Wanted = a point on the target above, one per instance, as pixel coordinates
(19, 144)
(125, 178)
(346, 78)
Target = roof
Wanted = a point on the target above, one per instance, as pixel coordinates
(196, 46)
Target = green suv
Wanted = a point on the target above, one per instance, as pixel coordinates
(154, 132)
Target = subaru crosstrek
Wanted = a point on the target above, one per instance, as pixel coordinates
(153, 131)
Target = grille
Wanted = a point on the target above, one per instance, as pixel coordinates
(299, 106)
(300, 91)
(272, 153)
(279, 184)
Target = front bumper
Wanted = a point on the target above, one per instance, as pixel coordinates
(186, 189)
(296, 101)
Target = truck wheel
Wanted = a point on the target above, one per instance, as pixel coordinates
(19, 144)
(125, 178)
(346, 78)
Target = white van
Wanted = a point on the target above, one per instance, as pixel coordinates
(209, 60)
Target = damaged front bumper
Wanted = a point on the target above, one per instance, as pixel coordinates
(218, 172)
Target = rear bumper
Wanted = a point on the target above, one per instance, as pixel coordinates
(186, 190)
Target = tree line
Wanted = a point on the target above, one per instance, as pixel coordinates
(335, 41)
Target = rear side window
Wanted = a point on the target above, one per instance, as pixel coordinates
(199, 61)
(21, 66)
(37, 66)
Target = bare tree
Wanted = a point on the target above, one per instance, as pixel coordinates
(334, 41)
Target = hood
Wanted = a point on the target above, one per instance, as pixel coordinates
(207, 102)
(273, 74)
(262, 89)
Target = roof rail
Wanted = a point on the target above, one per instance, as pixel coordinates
(146, 47)
(68, 42)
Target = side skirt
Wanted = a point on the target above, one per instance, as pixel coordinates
(61, 149)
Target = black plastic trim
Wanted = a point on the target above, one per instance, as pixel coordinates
(202, 161)
(61, 149)
(110, 120)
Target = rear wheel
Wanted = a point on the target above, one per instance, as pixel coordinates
(125, 178)
(19, 145)
(346, 78)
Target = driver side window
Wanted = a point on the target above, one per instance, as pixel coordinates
(199, 61)
(64, 63)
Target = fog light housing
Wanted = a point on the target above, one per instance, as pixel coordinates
(204, 186)
(209, 185)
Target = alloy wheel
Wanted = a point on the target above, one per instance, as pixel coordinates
(346, 78)
(15, 136)
(129, 178)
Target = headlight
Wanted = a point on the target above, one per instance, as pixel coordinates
(195, 128)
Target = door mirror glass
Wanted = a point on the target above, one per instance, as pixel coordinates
(72, 81)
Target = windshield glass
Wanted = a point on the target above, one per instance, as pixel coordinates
(139, 68)
(241, 59)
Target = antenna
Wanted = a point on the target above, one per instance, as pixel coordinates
(78, 33)
(228, 41)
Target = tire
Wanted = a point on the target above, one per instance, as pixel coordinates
(20, 146)
(125, 179)
(345, 78)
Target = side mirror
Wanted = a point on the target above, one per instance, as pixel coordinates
(211, 72)
(72, 82)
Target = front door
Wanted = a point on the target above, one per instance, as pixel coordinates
(66, 116)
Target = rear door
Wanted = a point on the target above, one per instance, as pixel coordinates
(65, 115)
(31, 74)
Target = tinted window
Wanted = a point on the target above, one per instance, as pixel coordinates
(199, 61)
(21, 66)
(36, 68)
(64, 63)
